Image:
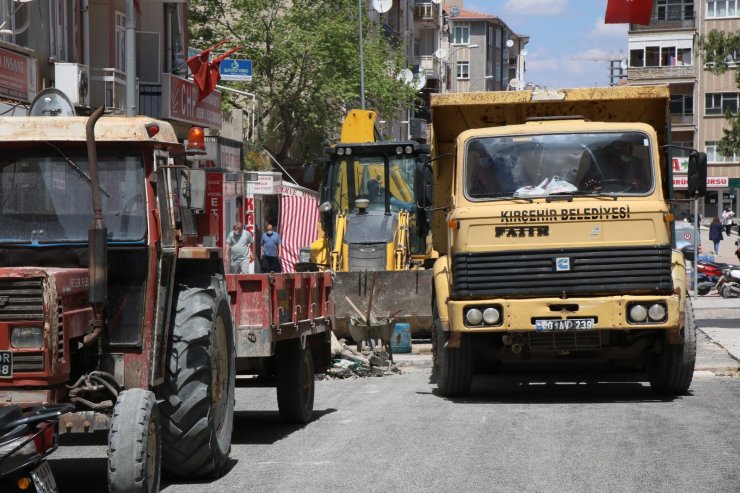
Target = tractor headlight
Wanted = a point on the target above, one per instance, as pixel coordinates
(399, 150)
(340, 151)
(408, 149)
(27, 337)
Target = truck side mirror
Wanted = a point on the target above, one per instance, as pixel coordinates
(424, 185)
(697, 175)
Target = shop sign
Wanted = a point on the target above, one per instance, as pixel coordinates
(680, 164)
(17, 76)
(682, 182)
(180, 103)
(268, 183)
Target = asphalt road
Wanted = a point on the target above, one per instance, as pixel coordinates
(526, 431)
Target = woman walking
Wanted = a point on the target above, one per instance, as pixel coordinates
(715, 233)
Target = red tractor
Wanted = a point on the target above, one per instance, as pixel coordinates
(108, 301)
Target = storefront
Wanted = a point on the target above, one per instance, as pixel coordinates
(18, 81)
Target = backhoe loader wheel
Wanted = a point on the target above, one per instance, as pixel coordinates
(198, 392)
(295, 382)
(134, 445)
(454, 366)
(671, 372)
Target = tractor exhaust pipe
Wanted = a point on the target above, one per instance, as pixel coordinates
(97, 237)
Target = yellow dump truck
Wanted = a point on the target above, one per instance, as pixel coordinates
(373, 235)
(558, 233)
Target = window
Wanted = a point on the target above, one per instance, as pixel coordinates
(682, 104)
(719, 103)
(463, 70)
(637, 58)
(675, 10)
(120, 41)
(713, 156)
(722, 8)
(461, 35)
(664, 55)
(652, 56)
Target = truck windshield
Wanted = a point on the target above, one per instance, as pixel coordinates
(46, 199)
(364, 177)
(613, 163)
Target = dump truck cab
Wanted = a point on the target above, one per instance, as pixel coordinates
(558, 234)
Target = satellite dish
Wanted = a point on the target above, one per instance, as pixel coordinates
(623, 64)
(455, 11)
(405, 76)
(514, 82)
(440, 54)
(436, 2)
(420, 81)
(509, 43)
(523, 52)
(51, 102)
(382, 6)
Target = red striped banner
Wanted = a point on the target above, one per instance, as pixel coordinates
(297, 224)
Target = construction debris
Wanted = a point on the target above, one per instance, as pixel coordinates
(350, 363)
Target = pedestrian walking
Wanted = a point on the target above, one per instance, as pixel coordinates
(727, 216)
(715, 233)
(239, 245)
(271, 249)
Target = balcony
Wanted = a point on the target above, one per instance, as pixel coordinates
(430, 65)
(663, 25)
(108, 88)
(426, 14)
(679, 120)
(661, 73)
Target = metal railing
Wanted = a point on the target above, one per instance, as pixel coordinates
(663, 24)
(430, 64)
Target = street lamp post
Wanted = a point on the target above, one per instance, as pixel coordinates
(485, 77)
(448, 59)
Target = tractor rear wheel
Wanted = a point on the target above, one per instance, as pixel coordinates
(198, 392)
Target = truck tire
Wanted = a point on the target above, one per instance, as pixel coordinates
(134, 444)
(198, 392)
(671, 372)
(453, 366)
(295, 382)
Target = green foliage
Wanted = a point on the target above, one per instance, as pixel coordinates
(306, 66)
(718, 48)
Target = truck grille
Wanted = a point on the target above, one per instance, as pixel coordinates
(626, 270)
(21, 299)
(564, 341)
(28, 362)
(366, 256)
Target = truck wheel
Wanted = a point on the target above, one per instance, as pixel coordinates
(134, 445)
(671, 372)
(198, 391)
(295, 381)
(454, 366)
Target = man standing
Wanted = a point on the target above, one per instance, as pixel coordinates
(727, 216)
(271, 247)
(239, 249)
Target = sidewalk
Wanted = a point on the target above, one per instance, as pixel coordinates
(726, 246)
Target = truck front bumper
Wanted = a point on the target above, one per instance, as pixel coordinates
(605, 313)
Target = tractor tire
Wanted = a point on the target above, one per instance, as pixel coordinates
(453, 366)
(198, 391)
(134, 444)
(671, 372)
(295, 382)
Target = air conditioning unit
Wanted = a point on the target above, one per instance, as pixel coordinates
(73, 79)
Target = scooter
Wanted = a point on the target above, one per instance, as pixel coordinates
(728, 286)
(26, 439)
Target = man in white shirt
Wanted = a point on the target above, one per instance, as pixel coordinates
(239, 249)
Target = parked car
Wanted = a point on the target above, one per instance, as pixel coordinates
(685, 233)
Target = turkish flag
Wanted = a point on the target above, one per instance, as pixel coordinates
(628, 12)
(214, 74)
(200, 68)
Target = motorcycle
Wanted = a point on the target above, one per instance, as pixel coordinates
(737, 249)
(26, 439)
(728, 285)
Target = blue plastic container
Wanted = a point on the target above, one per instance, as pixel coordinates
(401, 338)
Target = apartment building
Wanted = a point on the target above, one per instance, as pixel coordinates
(79, 47)
(664, 52)
(716, 94)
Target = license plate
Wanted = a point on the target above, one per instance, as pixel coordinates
(6, 364)
(43, 479)
(568, 324)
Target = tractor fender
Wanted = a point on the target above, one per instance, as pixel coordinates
(442, 279)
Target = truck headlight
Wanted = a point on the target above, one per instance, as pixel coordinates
(491, 316)
(638, 313)
(656, 312)
(27, 337)
(474, 316)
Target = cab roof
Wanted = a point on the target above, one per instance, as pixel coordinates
(72, 129)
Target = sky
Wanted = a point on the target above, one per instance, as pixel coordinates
(562, 33)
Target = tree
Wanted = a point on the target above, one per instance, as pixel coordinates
(306, 65)
(719, 49)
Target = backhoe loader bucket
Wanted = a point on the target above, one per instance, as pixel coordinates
(404, 295)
